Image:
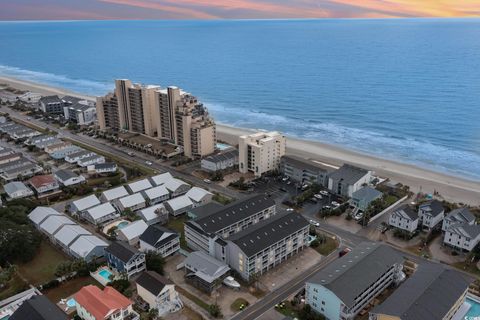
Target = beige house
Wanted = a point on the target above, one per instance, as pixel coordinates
(158, 292)
(261, 152)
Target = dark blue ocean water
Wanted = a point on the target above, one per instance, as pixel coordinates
(407, 90)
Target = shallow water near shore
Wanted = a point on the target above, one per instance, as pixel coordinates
(406, 90)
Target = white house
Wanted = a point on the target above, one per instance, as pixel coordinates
(77, 156)
(176, 187)
(161, 240)
(430, 214)
(178, 205)
(30, 97)
(100, 214)
(461, 215)
(113, 194)
(404, 218)
(101, 168)
(158, 292)
(199, 196)
(40, 214)
(88, 247)
(154, 214)
(132, 232)
(80, 113)
(462, 236)
(156, 195)
(221, 161)
(138, 186)
(133, 202)
(91, 160)
(80, 205)
(68, 178)
(161, 178)
(16, 190)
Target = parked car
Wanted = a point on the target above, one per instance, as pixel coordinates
(324, 193)
(314, 223)
(290, 209)
(284, 179)
(207, 181)
(358, 216)
(149, 163)
(335, 204)
(318, 196)
(326, 207)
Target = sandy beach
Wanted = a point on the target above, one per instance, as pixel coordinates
(452, 188)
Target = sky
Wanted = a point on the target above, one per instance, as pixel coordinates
(232, 9)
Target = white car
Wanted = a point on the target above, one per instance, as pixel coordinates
(358, 216)
(335, 204)
(324, 193)
(207, 181)
(284, 179)
(318, 196)
(149, 163)
(314, 223)
(290, 209)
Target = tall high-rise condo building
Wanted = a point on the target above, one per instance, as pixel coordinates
(169, 114)
(261, 152)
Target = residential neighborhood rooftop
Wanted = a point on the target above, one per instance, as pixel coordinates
(115, 193)
(156, 235)
(348, 174)
(85, 203)
(134, 229)
(153, 282)
(100, 303)
(161, 178)
(140, 185)
(206, 267)
(122, 250)
(406, 212)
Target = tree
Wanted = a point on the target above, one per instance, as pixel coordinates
(214, 310)
(121, 285)
(154, 262)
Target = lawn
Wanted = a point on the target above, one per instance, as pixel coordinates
(14, 286)
(68, 288)
(42, 268)
(328, 247)
(238, 303)
(220, 198)
(101, 180)
(176, 224)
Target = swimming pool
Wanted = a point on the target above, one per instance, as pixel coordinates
(223, 146)
(105, 274)
(71, 303)
(122, 224)
(474, 311)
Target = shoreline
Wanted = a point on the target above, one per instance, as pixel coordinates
(452, 188)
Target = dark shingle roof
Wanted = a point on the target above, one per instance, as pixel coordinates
(51, 99)
(435, 207)
(407, 212)
(267, 232)
(106, 165)
(122, 251)
(302, 163)
(153, 234)
(233, 213)
(428, 294)
(229, 154)
(153, 282)
(348, 173)
(461, 215)
(351, 274)
(205, 210)
(65, 174)
(38, 308)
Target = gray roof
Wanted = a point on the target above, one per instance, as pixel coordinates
(40, 214)
(38, 307)
(101, 210)
(80, 107)
(268, 232)
(131, 200)
(224, 156)
(351, 274)
(134, 229)
(465, 230)
(161, 178)
(86, 244)
(205, 210)
(69, 233)
(461, 215)
(85, 203)
(348, 174)
(51, 99)
(234, 213)
(156, 236)
(106, 165)
(122, 251)
(435, 207)
(115, 193)
(428, 294)
(54, 222)
(153, 282)
(139, 185)
(366, 193)
(306, 164)
(406, 212)
(64, 175)
(15, 186)
(71, 99)
(207, 268)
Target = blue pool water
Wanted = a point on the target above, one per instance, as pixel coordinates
(223, 146)
(404, 89)
(122, 224)
(71, 303)
(105, 274)
(474, 312)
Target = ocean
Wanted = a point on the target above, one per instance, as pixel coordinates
(402, 89)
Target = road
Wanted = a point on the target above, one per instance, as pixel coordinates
(282, 293)
(114, 150)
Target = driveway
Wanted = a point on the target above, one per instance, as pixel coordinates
(443, 254)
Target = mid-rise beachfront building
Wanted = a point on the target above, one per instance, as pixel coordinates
(344, 287)
(261, 152)
(347, 179)
(202, 232)
(305, 171)
(169, 114)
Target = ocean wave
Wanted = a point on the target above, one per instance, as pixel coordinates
(77, 85)
(389, 146)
